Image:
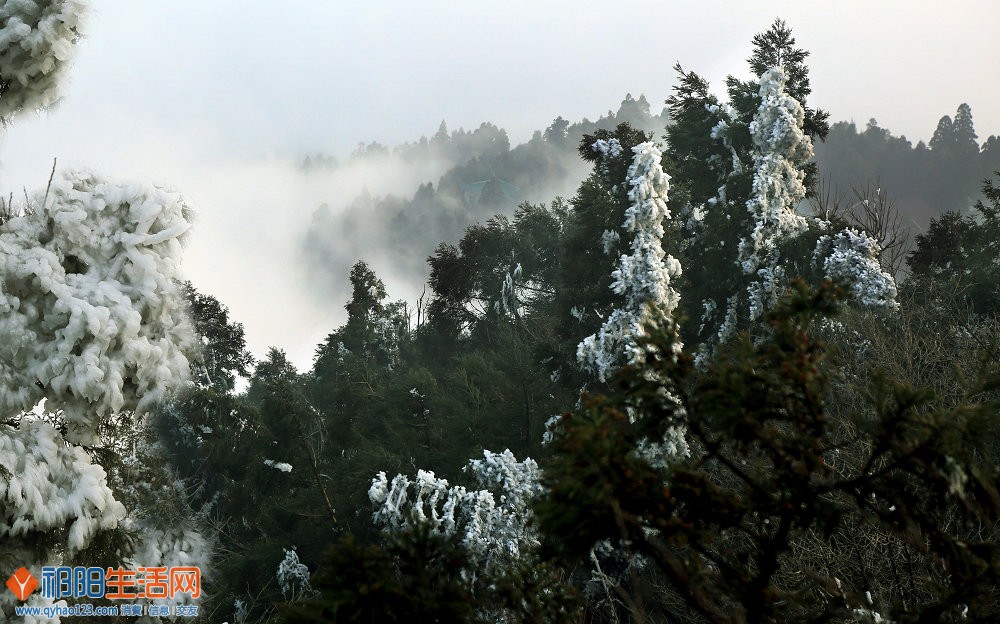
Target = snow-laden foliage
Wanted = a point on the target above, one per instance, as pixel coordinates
(37, 40)
(780, 151)
(851, 257)
(91, 317)
(610, 147)
(170, 547)
(781, 148)
(642, 277)
(609, 240)
(46, 485)
(494, 522)
(293, 576)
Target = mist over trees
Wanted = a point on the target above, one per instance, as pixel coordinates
(484, 175)
(924, 180)
(699, 386)
(772, 427)
(487, 176)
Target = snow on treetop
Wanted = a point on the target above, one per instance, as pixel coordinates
(607, 148)
(781, 147)
(36, 45)
(91, 318)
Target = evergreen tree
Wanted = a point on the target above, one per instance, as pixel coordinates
(591, 243)
(781, 481)
(944, 138)
(643, 277)
(224, 354)
(964, 252)
(964, 131)
(718, 166)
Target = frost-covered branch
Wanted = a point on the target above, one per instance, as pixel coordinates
(852, 257)
(293, 577)
(46, 485)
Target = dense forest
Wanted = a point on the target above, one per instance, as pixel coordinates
(485, 176)
(730, 362)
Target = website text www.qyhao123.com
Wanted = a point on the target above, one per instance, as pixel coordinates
(180, 585)
(51, 612)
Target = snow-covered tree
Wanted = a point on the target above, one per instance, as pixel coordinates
(94, 331)
(37, 40)
(643, 277)
(851, 257)
(293, 577)
(721, 156)
(494, 523)
(91, 317)
(93, 326)
(781, 153)
(781, 150)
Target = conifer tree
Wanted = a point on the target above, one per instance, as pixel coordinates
(944, 138)
(964, 131)
(643, 277)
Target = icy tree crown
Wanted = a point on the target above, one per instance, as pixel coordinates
(92, 321)
(91, 317)
(781, 148)
(493, 522)
(643, 276)
(851, 257)
(36, 45)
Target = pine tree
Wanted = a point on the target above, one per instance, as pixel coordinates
(716, 163)
(776, 48)
(94, 324)
(964, 250)
(224, 354)
(944, 138)
(591, 243)
(781, 150)
(965, 133)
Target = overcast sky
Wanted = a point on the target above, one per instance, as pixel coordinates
(219, 99)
